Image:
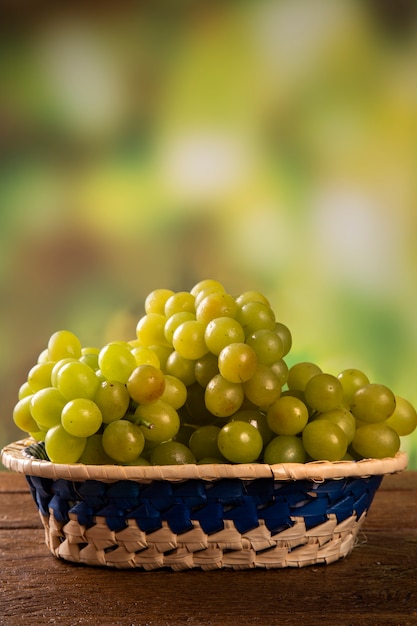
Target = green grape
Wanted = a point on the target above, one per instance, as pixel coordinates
(172, 453)
(174, 321)
(285, 335)
(197, 412)
(24, 390)
(208, 291)
(140, 460)
(113, 399)
(123, 441)
(267, 345)
(162, 352)
(263, 388)
(145, 356)
(324, 441)
(57, 367)
(404, 418)
(22, 415)
(90, 359)
(280, 368)
(287, 416)
(373, 403)
(376, 440)
(352, 380)
(179, 302)
(258, 419)
(223, 398)
(221, 332)
(43, 356)
(210, 460)
(284, 449)
(216, 304)
(39, 375)
(146, 384)
(255, 315)
(175, 392)
(158, 421)
(81, 417)
(300, 373)
(188, 340)
(206, 368)
(343, 418)
(63, 344)
(323, 392)
(116, 362)
(94, 453)
(181, 368)
(203, 442)
(184, 434)
(156, 299)
(237, 362)
(207, 283)
(240, 442)
(77, 380)
(61, 447)
(251, 296)
(46, 407)
(150, 329)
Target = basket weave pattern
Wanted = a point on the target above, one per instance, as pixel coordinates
(227, 522)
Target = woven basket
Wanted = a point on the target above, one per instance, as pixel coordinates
(200, 516)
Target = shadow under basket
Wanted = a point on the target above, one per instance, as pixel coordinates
(200, 516)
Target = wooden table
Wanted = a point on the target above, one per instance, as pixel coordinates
(375, 585)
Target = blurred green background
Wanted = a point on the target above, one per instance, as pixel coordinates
(270, 144)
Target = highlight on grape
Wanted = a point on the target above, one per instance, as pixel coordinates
(204, 380)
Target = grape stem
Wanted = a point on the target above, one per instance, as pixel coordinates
(144, 422)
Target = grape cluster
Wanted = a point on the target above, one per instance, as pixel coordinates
(205, 380)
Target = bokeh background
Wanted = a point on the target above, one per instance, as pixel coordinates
(270, 144)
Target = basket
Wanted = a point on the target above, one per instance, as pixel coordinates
(200, 516)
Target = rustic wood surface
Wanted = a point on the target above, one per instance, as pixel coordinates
(376, 585)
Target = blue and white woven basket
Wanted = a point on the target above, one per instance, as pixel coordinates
(200, 516)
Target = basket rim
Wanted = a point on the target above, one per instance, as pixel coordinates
(14, 458)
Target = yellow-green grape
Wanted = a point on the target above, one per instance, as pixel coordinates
(180, 301)
(89, 356)
(175, 392)
(373, 403)
(196, 411)
(140, 460)
(240, 442)
(376, 440)
(94, 453)
(300, 373)
(254, 316)
(146, 384)
(404, 418)
(323, 392)
(284, 449)
(61, 447)
(206, 368)
(207, 292)
(156, 299)
(123, 441)
(251, 296)
(216, 304)
(267, 345)
(352, 379)
(324, 441)
(287, 416)
(343, 418)
(63, 344)
(116, 361)
(24, 390)
(203, 442)
(159, 421)
(150, 329)
(181, 368)
(162, 352)
(223, 398)
(237, 362)
(46, 407)
(263, 388)
(145, 356)
(172, 453)
(77, 380)
(221, 332)
(207, 283)
(285, 335)
(39, 375)
(81, 417)
(43, 356)
(188, 340)
(22, 415)
(258, 419)
(57, 367)
(113, 399)
(174, 321)
(280, 368)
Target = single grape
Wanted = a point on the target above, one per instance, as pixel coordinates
(376, 440)
(175, 392)
(280, 368)
(145, 356)
(223, 398)
(123, 441)
(404, 418)
(188, 340)
(221, 332)
(39, 375)
(94, 453)
(158, 421)
(203, 442)
(181, 368)
(324, 441)
(258, 419)
(323, 392)
(179, 302)
(156, 299)
(57, 367)
(46, 407)
(284, 449)
(352, 380)
(22, 415)
(240, 442)
(24, 390)
(267, 345)
(172, 453)
(90, 359)
(373, 403)
(174, 321)
(43, 356)
(285, 335)
(112, 398)
(287, 416)
(146, 384)
(184, 434)
(255, 316)
(150, 329)
(207, 283)
(81, 417)
(77, 380)
(263, 388)
(216, 304)
(206, 368)
(61, 447)
(251, 296)
(300, 373)
(343, 418)
(162, 352)
(116, 362)
(63, 344)
(237, 362)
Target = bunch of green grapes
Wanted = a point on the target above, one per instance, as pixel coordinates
(204, 380)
